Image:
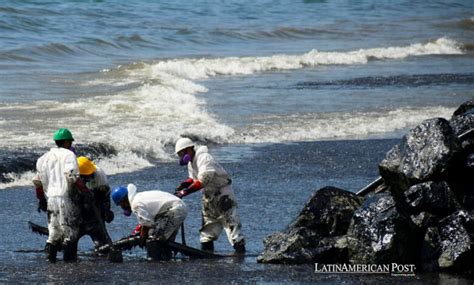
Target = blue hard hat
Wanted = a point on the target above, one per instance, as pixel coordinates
(118, 194)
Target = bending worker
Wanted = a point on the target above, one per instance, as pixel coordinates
(97, 211)
(219, 209)
(160, 215)
(57, 182)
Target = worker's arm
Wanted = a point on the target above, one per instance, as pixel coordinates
(185, 184)
(197, 184)
(42, 203)
(143, 235)
(81, 186)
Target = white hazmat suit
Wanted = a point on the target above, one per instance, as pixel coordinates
(57, 171)
(161, 211)
(219, 209)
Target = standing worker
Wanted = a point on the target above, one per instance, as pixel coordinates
(159, 213)
(57, 181)
(96, 211)
(219, 209)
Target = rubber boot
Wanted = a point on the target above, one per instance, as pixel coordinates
(115, 256)
(70, 252)
(152, 250)
(165, 252)
(51, 251)
(208, 246)
(157, 250)
(239, 246)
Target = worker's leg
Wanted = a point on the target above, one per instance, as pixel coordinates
(166, 228)
(210, 231)
(230, 219)
(55, 235)
(232, 227)
(69, 219)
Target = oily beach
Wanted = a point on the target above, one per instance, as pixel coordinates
(270, 197)
(289, 96)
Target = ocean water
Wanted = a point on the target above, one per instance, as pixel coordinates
(136, 75)
(303, 77)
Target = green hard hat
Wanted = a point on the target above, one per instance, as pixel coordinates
(63, 134)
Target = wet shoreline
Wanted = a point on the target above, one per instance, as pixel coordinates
(271, 182)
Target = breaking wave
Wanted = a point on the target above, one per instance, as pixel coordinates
(142, 122)
(195, 69)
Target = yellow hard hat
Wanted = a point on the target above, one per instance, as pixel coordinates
(86, 167)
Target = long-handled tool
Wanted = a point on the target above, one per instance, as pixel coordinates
(127, 243)
(183, 238)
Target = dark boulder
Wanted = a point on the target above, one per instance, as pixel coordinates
(423, 155)
(433, 197)
(424, 220)
(380, 234)
(299, 245)
(328, 212)
(95, 150)
(14, 163)
(430, 250)
(292, 247)
(462, 123)
(449, 245)
(317, 233)
(464, 108)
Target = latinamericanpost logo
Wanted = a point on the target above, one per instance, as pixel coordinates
(393, 269)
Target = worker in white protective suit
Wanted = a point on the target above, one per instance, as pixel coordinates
(57, 182)
(160, 215)
(219, 209)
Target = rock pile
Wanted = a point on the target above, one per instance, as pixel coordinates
(422, 214)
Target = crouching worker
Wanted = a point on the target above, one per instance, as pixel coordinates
(219, 206)
(96, 212)
(57, 182)
(160, 215)
(96, 181)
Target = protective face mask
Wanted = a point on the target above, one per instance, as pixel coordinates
(127, 212)
(185, 159)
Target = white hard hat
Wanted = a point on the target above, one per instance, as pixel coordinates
(182, 143)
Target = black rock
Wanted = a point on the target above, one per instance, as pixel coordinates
(330, 250)
(16, 162)
(430, 250)
(95, 150)
(448, 246)
(455, 243)
(380, 234)
(461, 124)
(317, 234)
(423, 155)
(464, 108)
(424, 220)
(468, 202)
(291, 247)
(329, 212)
(433, 197)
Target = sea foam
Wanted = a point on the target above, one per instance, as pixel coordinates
(142, 123)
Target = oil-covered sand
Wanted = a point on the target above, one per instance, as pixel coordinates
(271, 183)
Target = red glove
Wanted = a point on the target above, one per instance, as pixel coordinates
(184, 184)
(137, 230)
(143, 236)
(195, 186)
(39, 192)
